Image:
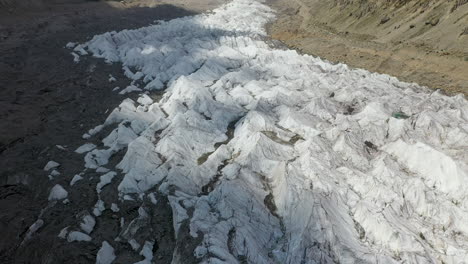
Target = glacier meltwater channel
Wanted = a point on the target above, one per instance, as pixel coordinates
(270, 156)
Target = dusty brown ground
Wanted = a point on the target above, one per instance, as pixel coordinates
(46, 100)
(417, 41)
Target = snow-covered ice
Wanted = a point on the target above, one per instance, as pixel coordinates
(54, 173)
(63, 233)
(71, 45)
(114, 208)
(76, 57)
(277, 157)
(88, 224)
(112, 78)
(32, 229)
(104, 180)
(134, 244)
(99, 207)
(61, 147)
(57, 193)
(105, 254)
(147, 253)
(75, 179)
(51, 165)
(130, 89)
(85, 148)
(77, 236)
(102, 170)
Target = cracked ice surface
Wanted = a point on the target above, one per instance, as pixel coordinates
(272, 156)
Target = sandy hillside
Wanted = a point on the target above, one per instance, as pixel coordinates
(418, 41)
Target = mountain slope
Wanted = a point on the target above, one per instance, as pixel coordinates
(418, 41)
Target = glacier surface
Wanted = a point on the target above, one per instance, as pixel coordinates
(270, 156)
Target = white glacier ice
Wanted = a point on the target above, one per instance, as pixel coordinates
(112, 78)
(63, 233)
(104, 180)
(57, 193)
(99, 207)
(75, 179)
(130, 89)
(78, 236)
(32, 229)
(61, 147)
(54, 173)
(71, 45)
(102, 170)
(88, 224)
(76, 57)
(147, 253)
(106, 254)
(85, 148)
(270, 156)
(115, 208)
(51, 165)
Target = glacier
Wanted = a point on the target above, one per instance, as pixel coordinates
(271, 156)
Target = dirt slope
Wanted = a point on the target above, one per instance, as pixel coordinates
(423, 41)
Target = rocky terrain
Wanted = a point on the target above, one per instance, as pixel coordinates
(46, 99)
(418, 41)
